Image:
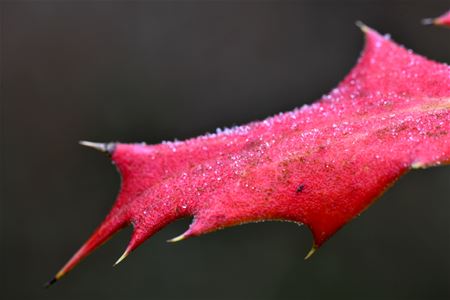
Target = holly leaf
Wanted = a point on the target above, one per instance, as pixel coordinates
(319, 165)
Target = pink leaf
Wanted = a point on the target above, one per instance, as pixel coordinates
(320, 165)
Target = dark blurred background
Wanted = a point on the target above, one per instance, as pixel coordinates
(160, 70)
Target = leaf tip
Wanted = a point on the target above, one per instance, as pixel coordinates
(418, 165)
(428, 21)
(177, 238)
(50, 282)
(364, 28)
(54, 279)
(443, 20)
(122, 257)
(102, 147)
(312, 251)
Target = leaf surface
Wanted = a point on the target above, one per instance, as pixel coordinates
(319, 165)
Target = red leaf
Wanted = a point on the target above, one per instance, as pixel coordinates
(320, 165)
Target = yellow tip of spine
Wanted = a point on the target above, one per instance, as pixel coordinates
(124, 255)
(364, 28)
(177, 238)
(312, 251)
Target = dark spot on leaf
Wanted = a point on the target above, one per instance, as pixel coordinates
(300, 188)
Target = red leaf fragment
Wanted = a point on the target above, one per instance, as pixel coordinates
(320, 165)
(443, 20)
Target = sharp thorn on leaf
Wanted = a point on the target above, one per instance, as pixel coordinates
(54, 279)
(312, 251)
(428, 21)
(51, 282)
(122, 257)
(102, 147)
(418, 165)
(362, 26)
(177, 238)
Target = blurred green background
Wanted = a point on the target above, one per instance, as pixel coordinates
(160, 70)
